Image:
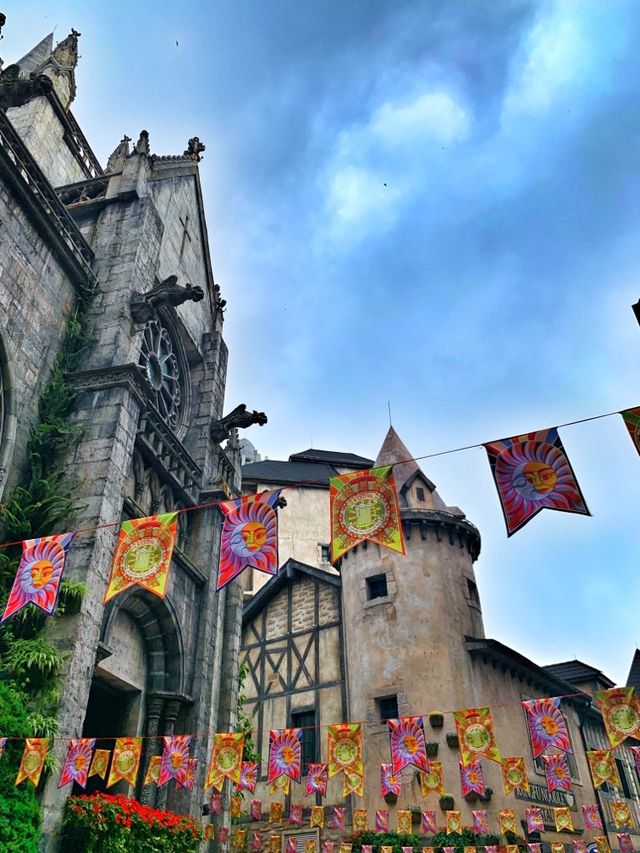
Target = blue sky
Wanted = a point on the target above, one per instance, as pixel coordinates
(430, 203)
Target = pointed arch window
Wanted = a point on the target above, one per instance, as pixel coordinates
(164, 366)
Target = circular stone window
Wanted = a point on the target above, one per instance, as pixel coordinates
(164, 367)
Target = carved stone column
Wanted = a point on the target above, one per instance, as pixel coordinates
(151, 744)
(171, 711)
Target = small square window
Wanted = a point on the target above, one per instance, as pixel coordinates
(325, 553)
(387, 708)
(420, 494)
(377, 587)
(474, 596)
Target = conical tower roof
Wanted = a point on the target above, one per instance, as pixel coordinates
(37, 55)
(405, 469)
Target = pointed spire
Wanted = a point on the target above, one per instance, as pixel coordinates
(115, 163)
(405, 468)
(66, 52)
(37, 56)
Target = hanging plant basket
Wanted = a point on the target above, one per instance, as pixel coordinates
(471, 797)
(436, 719)
(452, 740)
(488, 793)
(447, 802)
(432, 748)
(390, 798)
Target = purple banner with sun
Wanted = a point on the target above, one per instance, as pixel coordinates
(37, 580)
(407, 743)
(175, 759)
(285, 754)
(471, 779)
(532, 472)
(77, 762)
(249, 536)
(547, 726)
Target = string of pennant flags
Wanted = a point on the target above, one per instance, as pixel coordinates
(531, 472)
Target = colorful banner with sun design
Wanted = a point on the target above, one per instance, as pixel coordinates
(364, 506)
(143, 555)
(562, 819)
(175, 759)
(603, 768)
(255, 810)
(215, 804)
(317, 817)
(248, 776)
(432, 781)
(223, 835)
(316, 780)
(591, 815)
(535, 820)
(310, 846)
(389, 782)
(153, 770)
(257, 842)
(276, 812)
(345, 749)
(37, 580)
(360, 820)
(602, 843)
(126, 760)
(453, 821)
(32, 762)
(381, 821)
(578, 845)
(621, 814)
(427, 849)
(547, 726)
(631, 418)
(404, 822)
(352, 783)
(556, 771)
(507, 820)
(249, 537)
(188, 778)
(480, 821)
(338, 817)
(428, 822)
(100, 763)
(620, 709)
(226, 759)
(532, 472)
(471, 778)
(77, 763)
(281, 785)
(514, 774)
(328, 847)
(235, 806)
(557, 847)
(295, 814)
(406, 736)
(491, 848)
(285, 754)
(624, 842)
(476, 735)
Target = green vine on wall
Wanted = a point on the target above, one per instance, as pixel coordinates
(243, 721)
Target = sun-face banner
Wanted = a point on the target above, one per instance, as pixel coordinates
(188, 778)
(175, 758)
(248, 776)
(591, 815)
(223, 835)
(535, 820)
(143, 555)
(285, 754)
(507, 820)
(621, 814)
(476, 735)
(360, 820)
(428, 822)
(532, 472)
(295, 814)
(562, 818)
(631, 418)
(381, 821)
(432, 781)
(480, 821)
(215, 805)
(256, 844)
(624, 842)
(77, 763)
(514, 774)
(364, 506)
(153, 770)
(327, 847)
(547, 726)
(620, 709)
(453, 821)
(126, 760)
(389, 782)
(317, 817)
(407, 743)
(37, 580)
(578, 845)
(471, 778)
(603, 768)
(338, 817)
(255, 810)
(316, 780)
(99, 763)
(344, 742)
(249, 537)
(32, 762)
(557, 772)
(226, 759)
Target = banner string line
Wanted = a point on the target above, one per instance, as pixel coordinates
(362, 723)
(301, 483)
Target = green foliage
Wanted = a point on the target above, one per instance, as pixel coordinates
(243, 722)
(466, 838)
(19, 809)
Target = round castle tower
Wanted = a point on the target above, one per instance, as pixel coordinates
(406, 617)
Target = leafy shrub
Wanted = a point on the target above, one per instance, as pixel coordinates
(104, 824)
(439, 840)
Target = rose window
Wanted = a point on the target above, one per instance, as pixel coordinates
(160, 361)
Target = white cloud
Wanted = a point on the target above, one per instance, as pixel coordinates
(433, 116)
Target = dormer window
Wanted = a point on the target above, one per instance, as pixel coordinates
(420, 494)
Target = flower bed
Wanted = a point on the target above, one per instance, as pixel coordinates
(120, 825)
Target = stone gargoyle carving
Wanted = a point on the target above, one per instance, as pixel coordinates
(194, 149)
(219, 430)
(16, 90)
(168, 292)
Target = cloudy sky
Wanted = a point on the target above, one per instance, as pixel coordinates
(434, 204)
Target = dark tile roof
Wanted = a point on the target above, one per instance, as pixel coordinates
(274, 471)
(634, 673)
(333, 457)
(577, 672)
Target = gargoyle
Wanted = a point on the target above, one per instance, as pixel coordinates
(16, 90)
(168, 292)
(240, 418)
(194, 149)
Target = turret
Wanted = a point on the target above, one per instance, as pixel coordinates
(57, 63)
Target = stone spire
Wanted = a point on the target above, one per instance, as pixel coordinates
(407, 473)
(66, 52)
(116, 160)
(57, 63)
(37, 56)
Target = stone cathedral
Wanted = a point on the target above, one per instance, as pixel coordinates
(149, 389)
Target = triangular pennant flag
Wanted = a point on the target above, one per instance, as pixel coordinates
(547, 726)
(471, 778)
(532, 472)
(514, 774)
(99, 763)
(631, 418)
(143, 555)
(476, 736)
(407, 743)
(249, 537)
(248, 776)
(37, 580)
(175, 759)
(389, 783)
(557, 772)
(77, 763)
(126, 760)
(364, 506)
(285, 754)
(32, 762)
(620, 709)
(603, 768)
(316, 780)
(226, 759)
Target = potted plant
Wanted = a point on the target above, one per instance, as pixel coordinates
(471, 797)
(416, 814)
(446, 802)
(432, 748)
(488, 793)
(390, 798)
(436, 719)
(452, 740)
